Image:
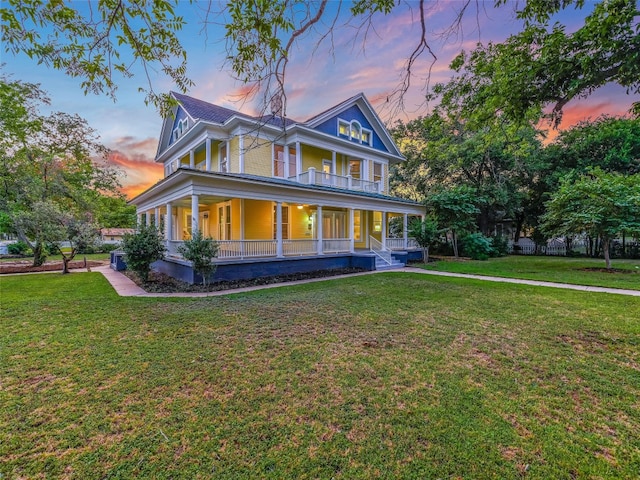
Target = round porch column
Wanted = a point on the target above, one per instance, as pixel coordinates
(384, 231)
(405, 233)
(352, 231)
(169, 222)
(192, 159)
(194, 214)
(298, 160)
(207, 164)
(319, 229)
(157, 217)
(279, 249)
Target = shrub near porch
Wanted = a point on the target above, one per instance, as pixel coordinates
(381, 376)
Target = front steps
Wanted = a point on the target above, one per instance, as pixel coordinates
(382, 265)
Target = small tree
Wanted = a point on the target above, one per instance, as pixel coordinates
(456, 209)
(142, 249)
(604, 205)
(200, 251)
(47, 224)
(425, 233)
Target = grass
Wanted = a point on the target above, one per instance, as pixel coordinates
(579, 271)
(380, 376)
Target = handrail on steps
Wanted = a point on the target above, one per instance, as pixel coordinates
(378, 249)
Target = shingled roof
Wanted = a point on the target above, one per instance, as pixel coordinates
(201, 110)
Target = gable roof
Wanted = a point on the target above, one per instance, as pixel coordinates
(201, 110)
(367, 110)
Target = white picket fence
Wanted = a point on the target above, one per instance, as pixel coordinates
(554, 247)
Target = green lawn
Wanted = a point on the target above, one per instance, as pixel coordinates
(391, 375)
(551, 269)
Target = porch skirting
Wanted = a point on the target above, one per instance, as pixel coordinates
(257, 268)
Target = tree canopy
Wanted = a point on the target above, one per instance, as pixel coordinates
(52, 161)
(603, 205)
(542, 65)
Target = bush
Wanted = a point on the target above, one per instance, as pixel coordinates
(477, 246)
(200, 251)
(143, 248)
(18, 248)
(500, 246)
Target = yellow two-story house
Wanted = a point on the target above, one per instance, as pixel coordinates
(278, 195)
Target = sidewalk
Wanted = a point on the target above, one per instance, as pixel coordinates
(127, 288)
(535, 283)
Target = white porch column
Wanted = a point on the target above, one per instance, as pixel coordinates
(298, 159)
(384, 230)
(279, 249)
(405, 233)
(352, 231)
(207, 164)
(192, 159)
(333, 162)
(286, 162)
(139, 215)
(157, 217)
(194, 213)
(319, 229)
(169, 222)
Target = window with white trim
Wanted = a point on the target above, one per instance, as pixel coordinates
(354, 131)
(181, 129)
(377, 172)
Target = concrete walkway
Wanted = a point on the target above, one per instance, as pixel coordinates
(127, 288)
(535, 283)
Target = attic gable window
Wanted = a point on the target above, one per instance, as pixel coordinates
(354, 131)
(181, 129)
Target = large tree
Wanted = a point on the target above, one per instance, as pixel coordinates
(603, 205)
(53, 159)
(442, 149)
(539, 70)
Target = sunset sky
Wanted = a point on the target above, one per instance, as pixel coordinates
(316, 79)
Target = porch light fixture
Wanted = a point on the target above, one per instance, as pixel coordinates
(299, 207)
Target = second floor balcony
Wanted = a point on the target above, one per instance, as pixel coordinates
(348, 182)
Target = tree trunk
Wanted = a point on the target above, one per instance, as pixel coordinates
(605, 249)
(65, 264)
(38, 255)
(425, 255)
(454, 242)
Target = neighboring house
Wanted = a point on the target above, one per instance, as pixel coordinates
(114, 235)
(278, 195)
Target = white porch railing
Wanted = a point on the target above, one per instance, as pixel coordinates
(306, 246)
(376, 247)
(336, 245)
(398, 244)
(315, 177)
(246, 248)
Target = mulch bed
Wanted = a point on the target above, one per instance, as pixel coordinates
(162, 283)
(27, 266)
(609, 270)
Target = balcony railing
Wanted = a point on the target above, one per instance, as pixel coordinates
(314, 177)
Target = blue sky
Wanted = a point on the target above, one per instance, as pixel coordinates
(316, 79)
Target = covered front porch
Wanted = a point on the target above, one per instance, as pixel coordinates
(254, 218)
